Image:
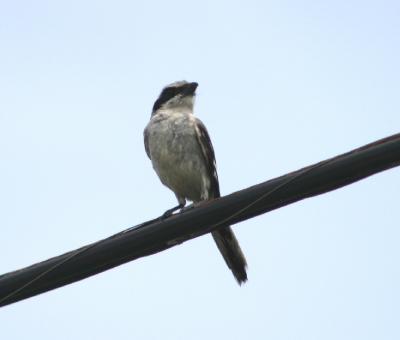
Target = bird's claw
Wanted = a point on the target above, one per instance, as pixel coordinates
(189, 207)
(169, 212)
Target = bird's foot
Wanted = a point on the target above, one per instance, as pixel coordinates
(189, 207)
(169, 212)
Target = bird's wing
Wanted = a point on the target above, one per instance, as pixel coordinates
(208, 152)
(224, 237)
(146, 142)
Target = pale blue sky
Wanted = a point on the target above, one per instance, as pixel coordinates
(282, 84)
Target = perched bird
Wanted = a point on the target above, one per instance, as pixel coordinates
(182, 155)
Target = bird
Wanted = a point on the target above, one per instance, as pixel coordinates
(182, 155)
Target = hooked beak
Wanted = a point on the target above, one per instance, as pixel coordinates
(190, 88)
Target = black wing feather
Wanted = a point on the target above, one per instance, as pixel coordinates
(209, 157)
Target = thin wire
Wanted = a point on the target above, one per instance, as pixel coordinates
(224, 221)
(39, 276)
(268, 193)
(76, 253)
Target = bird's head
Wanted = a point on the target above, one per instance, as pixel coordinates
(176, 96)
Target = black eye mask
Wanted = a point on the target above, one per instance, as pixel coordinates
(165, 95)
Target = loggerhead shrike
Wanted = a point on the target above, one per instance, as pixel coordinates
(182, 155)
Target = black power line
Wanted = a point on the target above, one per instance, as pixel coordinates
(157, 235)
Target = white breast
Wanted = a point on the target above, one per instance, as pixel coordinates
(176, 155)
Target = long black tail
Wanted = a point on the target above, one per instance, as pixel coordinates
(229, 247)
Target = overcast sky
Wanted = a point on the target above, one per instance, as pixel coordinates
(282, 84)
